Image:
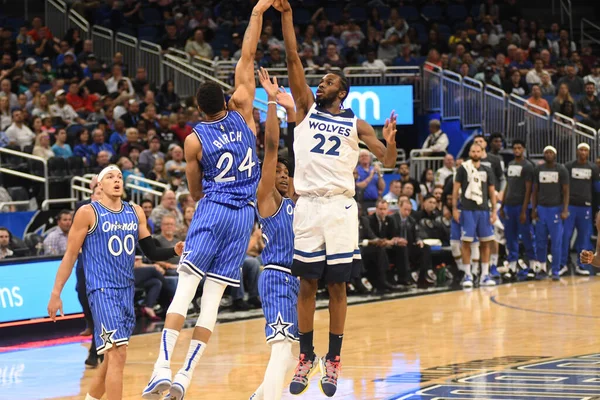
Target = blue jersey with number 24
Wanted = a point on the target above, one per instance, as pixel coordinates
(229, 161)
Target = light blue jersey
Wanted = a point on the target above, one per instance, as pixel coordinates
(278, 233)
(108, 252)
(229, 162)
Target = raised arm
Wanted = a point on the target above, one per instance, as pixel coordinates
(148, 245)
(193, 172)
(386, 154)
(82, 222)
(245, 84)
(303, 96)
(267, 196)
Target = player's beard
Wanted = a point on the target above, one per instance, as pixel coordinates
(325, 102)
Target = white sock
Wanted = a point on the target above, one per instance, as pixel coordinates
(494, 259)
(88, 397)
(281, 361)
(259, 394)
(168, 339)
(475, 267)
(512, 266)
(467, 269)
(485, 269)
(543, 266)
(194, 354)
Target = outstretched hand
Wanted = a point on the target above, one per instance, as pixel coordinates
(285, 99)
(263, 5)
(389, 129)
(269, 85)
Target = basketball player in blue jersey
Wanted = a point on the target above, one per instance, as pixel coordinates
(222, 169)
(278, 289)
(107, 231)
(325, 223)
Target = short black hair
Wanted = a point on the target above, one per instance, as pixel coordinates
(63, 212)
(496, 135)
(147, 201)
(343, 83)
(210, 98)
(480, 136)
(519, 141)
(284, 161)
(429, 196)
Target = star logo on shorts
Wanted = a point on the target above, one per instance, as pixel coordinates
(107, 336)
(280, 326)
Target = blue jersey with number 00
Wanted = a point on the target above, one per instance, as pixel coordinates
(229, 161)
(108, 252)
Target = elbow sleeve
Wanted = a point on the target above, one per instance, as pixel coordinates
(156, 253)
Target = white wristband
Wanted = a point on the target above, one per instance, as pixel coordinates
(272, 102)
(365, 242)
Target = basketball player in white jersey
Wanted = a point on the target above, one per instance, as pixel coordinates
(325, 223)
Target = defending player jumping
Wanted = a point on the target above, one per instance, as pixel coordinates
(325, 223)
(278, 289)
(106, 232)
(223, 166)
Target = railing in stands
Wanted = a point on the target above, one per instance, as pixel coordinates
(80, 188)
(452, 89)
(537, 121)
(494, 117)
(420, 161)
(153, 189)
(13, 203)
(432, 87)
(104, 43)
(150, 56)
(56, 17)
(472, 104)
(77, 21)
(48, 202)
(516, 126)
(589, 33)
(24, 175)
(128, 46)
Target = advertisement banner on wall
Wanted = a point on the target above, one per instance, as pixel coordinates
(375, 103)
(25, 290)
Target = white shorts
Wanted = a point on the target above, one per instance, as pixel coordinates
(326, 238)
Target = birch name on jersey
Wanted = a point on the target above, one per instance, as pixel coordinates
(227, 138)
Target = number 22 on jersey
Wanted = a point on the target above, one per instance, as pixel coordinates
(226, 162)
(332, 150)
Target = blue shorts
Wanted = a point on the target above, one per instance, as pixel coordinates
(454, 230)
(113, 315)
(476, 224)
(217, 240)
(279, 295)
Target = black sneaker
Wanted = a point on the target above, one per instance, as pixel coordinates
(240, 305)
(255, 302)
(92, 361)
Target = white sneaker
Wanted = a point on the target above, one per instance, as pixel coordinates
(581, 271)
(159, 383)
(487, 281)
(564, 270)
(179, 386)
(467, 282)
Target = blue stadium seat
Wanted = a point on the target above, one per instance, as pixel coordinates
(445, 31)
(456, 12)
(14, 23)
(475, 10)
(358, 13)
(152, 16)
(421, 31)
(148, 33)
(384, 12)
(432, 13)
(128, 30)
(549, 99)
(409, 13)
(302, 16)
(333, 14)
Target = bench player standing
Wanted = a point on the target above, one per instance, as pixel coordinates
(223, 166)
(325, 223)
(278, 289)
(107, 231)
(475, 182)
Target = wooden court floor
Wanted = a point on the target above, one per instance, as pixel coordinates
(498, 343)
